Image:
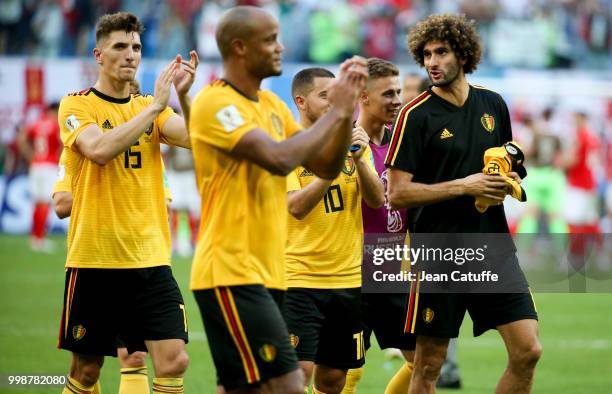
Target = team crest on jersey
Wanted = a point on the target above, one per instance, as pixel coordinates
(349, 166)
(488, 122)
(294, 340)
(78, 332)
(267, 353)
(277, 124)
(428, 315)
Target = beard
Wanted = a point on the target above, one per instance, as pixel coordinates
(313, 117)
(267, 70)
(451, 76)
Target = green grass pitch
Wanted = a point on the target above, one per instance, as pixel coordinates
(575, 329)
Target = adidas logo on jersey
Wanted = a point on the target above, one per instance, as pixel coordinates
(306, 173)
(107, 124)
(445, 134)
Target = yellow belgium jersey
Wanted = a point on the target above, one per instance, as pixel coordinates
(243, 229)
(67, 166)
(119, 217)
(325, 248)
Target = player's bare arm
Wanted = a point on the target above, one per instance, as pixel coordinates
(175, 129)
(301, 202)
(102, 147)
(322, 149)
(370, 186)
(63, 204)
(341, 95)
(403, 193)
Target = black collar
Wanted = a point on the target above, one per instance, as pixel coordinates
(255, 99)
(111, 99)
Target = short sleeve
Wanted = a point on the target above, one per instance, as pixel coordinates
(161, 119)
(74, 116)
(219, 121)
(164, 116)
(293, 182)
(63, 180)
(406, 146)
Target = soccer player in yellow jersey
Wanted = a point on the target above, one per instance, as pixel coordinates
(133, 367)
(245, 142)
(324, 248)
(119, 229)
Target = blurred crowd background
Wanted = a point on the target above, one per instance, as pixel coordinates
(526, 33)
(550, 59)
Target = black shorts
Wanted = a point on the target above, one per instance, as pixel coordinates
(385, 314)
(135, 305)
(440, 314)
(246, 333)
(326, 326)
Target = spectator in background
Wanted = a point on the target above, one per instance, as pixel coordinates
(334, 31)
(207, 25)
(412, 86)
(47, 26)
(546, 182)
(296, 41)
(379, 31)
(11, 12)
(78, 22)
(173, 33)
(581, 209)
(580, 162)
(40, 144)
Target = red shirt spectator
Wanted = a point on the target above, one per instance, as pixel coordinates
(580, 174)
(45, 140)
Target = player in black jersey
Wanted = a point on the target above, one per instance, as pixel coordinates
(436, 160)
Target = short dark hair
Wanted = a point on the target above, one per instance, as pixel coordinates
(123, 21)
(456, 30)
(380, 68)
(304, 79)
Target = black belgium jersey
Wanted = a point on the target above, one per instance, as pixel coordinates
(437, 141)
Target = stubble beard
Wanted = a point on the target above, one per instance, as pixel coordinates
(454, 71)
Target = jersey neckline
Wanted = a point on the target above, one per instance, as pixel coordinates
(450, 105)
(111, 99)
(256, 99)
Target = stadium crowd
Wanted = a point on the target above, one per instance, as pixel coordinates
(565, 149)
(538, 34)
(569, 159)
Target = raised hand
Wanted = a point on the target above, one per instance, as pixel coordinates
(359, 138)
(352, 78)
(163, 83)
(186, 75)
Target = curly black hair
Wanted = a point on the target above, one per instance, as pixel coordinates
(456, 30)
